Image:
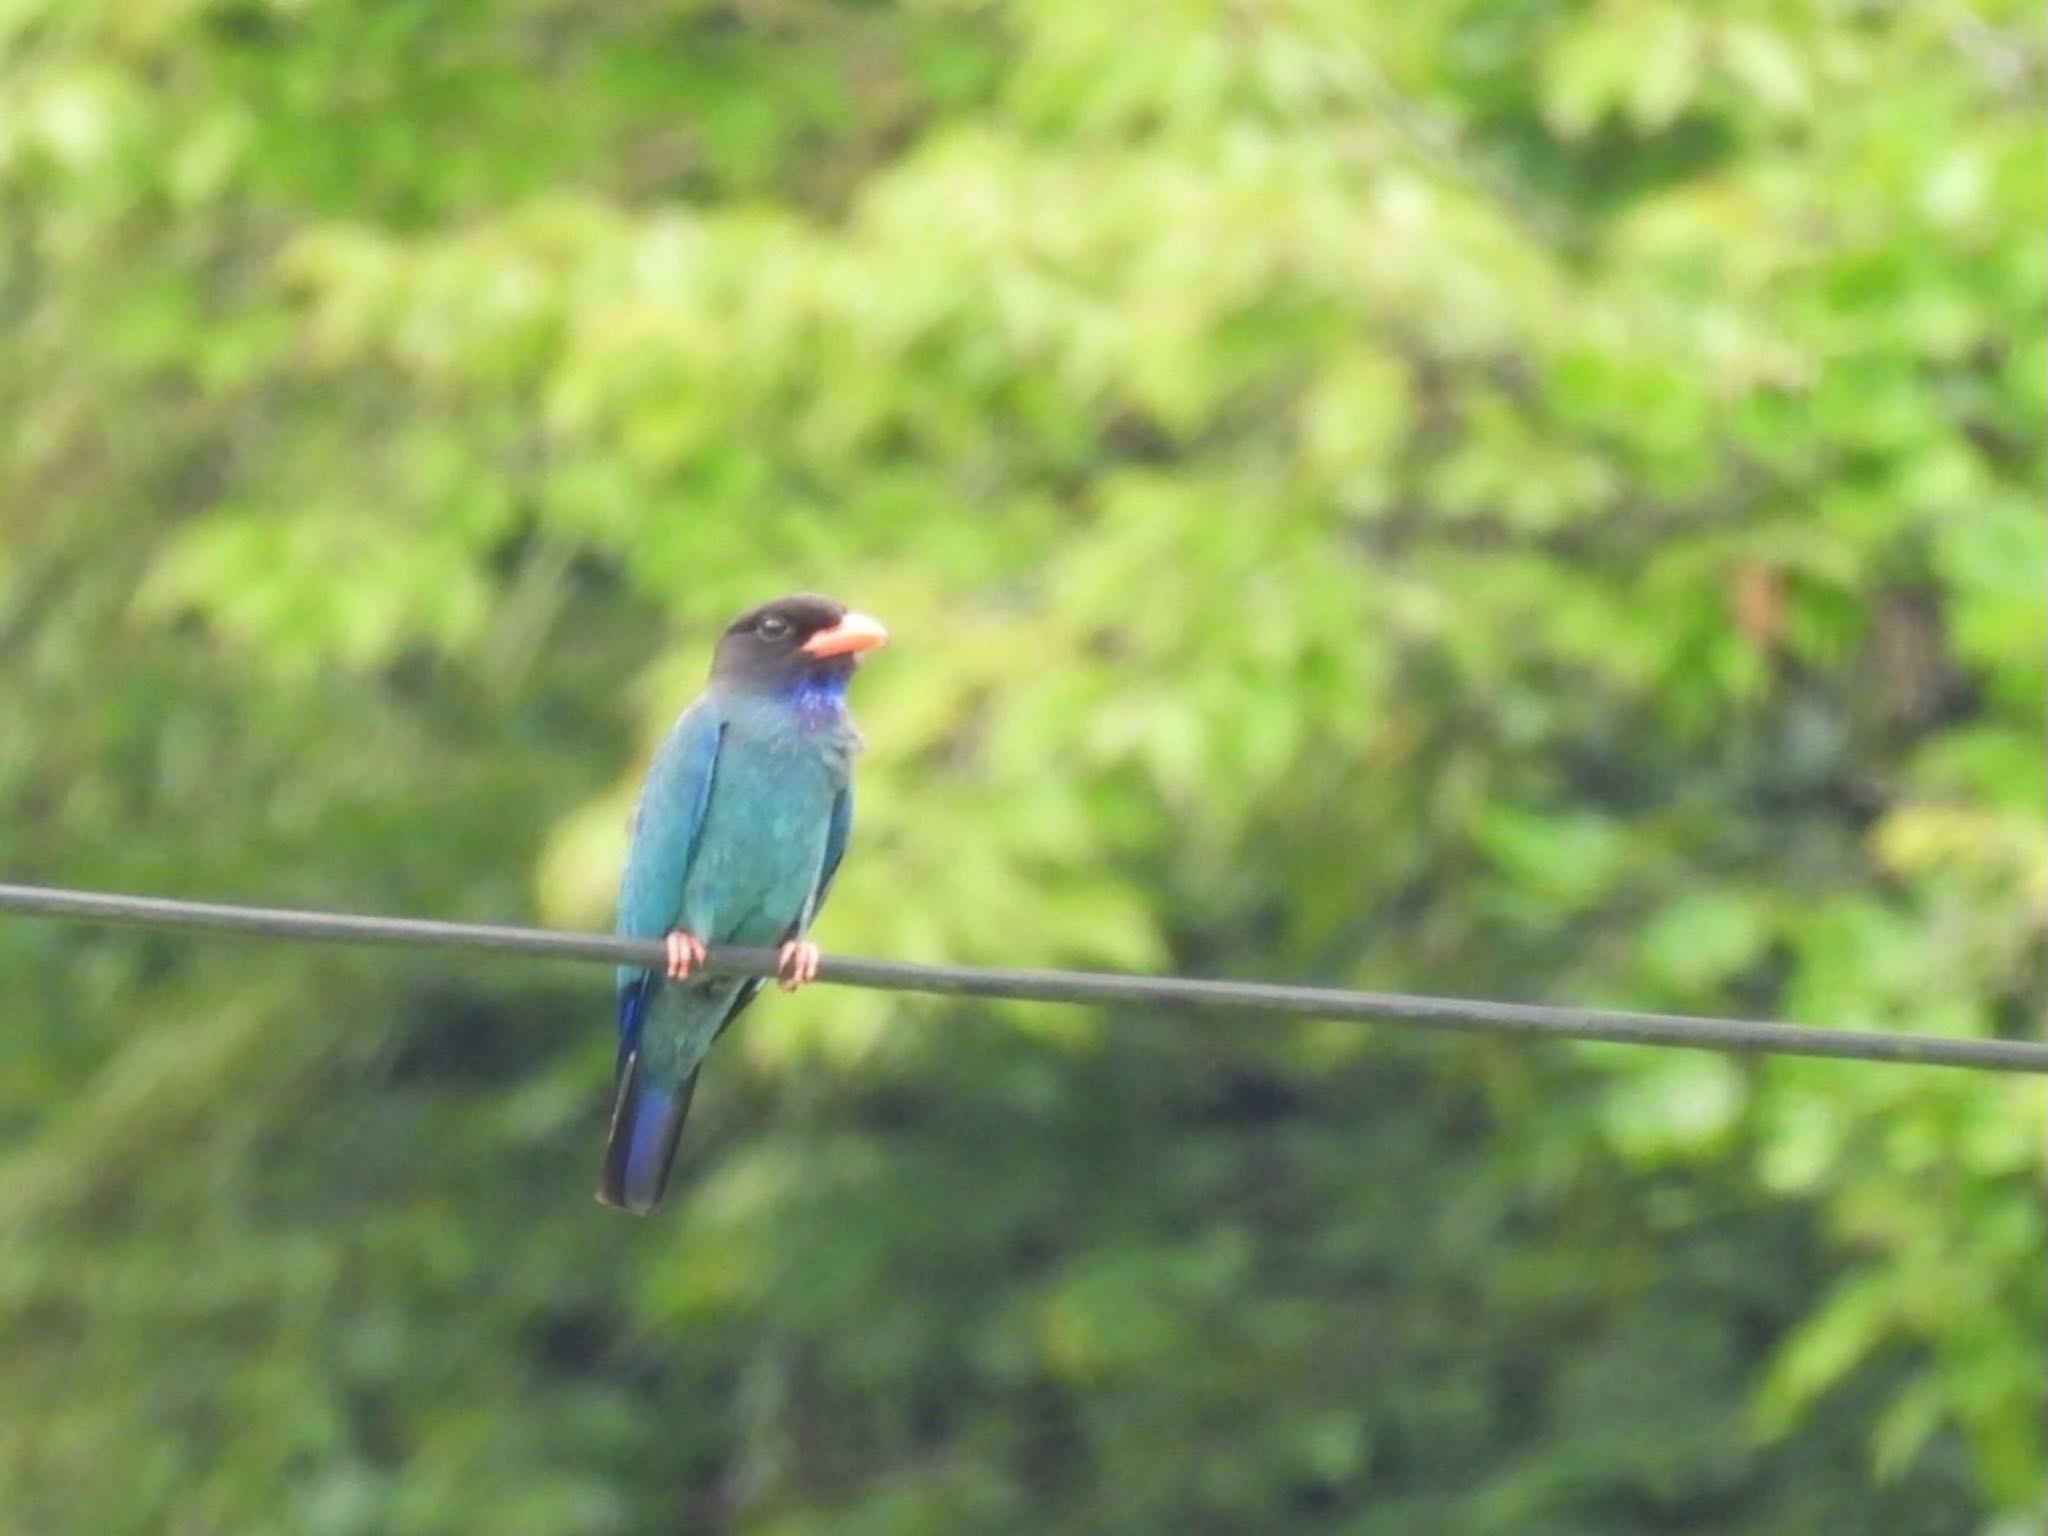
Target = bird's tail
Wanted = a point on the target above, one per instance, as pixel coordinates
(647, 1121)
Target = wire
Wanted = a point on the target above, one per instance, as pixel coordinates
(1442, 1013)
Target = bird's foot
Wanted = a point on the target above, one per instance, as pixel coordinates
(796, 963)
(685, 954)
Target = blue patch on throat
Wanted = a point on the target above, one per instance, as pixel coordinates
(819, 694)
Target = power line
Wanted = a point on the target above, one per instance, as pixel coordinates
(1443, 1013)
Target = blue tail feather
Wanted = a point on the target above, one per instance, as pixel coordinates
(647, 1122)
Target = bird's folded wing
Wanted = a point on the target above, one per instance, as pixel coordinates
(666, 827)
(836, 833)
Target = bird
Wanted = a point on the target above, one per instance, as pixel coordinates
(741, 823)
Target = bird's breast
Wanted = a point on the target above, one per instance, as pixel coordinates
(762, 845)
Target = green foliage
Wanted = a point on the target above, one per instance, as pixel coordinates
(1512, 499)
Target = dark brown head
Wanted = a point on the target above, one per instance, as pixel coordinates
(792, 641)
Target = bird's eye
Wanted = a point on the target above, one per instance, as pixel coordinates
(772, 627)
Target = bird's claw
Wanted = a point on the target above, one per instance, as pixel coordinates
(796, 963)
(685, 954)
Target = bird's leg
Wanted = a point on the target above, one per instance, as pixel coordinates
(685, 954)
(796, 963)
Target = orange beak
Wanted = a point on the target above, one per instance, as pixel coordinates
(854, 633)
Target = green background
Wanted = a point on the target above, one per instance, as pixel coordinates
(1511, 498)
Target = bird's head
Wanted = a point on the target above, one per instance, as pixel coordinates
(794, 644)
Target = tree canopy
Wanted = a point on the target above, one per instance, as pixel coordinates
(1523, 499)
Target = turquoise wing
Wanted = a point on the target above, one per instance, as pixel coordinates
(667, 824)
(837, 831)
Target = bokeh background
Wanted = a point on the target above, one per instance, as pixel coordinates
(1518, 498)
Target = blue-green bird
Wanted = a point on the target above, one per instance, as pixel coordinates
(741, 824)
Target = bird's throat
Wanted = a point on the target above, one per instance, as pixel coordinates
(818, 695)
